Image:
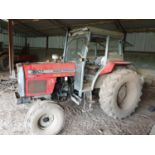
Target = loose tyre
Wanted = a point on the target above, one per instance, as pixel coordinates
(45, 118)
(120, 93)
(4, 62)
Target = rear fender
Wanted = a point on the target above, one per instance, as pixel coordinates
(111, 65)
(105, 70)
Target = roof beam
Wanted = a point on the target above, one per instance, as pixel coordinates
(28, 21)
(39, 32)
(141, 30)
(100, 22)
(104, 21)
(59, 24)
(64, 26)
(119, 26)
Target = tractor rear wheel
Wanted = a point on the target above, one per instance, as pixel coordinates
(120, 93)
(44, 118)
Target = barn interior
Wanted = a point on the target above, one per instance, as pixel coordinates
(36, 40)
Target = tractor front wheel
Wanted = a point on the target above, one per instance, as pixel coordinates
(120, 93)
(44, 118)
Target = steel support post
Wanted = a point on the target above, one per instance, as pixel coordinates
(47, 43)
(11, 52)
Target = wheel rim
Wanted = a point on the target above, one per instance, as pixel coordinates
(122, 93)
(45, 121)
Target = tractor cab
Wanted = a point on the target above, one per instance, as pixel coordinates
(91, 49)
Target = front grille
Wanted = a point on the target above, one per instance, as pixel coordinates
(37, 86)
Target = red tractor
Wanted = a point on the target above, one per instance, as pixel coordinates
(92, 69)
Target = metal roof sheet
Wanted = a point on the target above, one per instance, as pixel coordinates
(53, 27)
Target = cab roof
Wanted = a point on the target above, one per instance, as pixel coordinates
(97, 31)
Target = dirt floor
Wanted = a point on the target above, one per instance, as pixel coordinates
(77, 123)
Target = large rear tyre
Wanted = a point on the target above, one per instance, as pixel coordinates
(120, 93)
(44, 118)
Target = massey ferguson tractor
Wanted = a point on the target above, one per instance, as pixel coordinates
(92, 69)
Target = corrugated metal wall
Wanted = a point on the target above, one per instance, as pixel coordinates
(140, 41)
(53, 42)
(19, 41)
(56, 42)
(37, 42)
(144, 42)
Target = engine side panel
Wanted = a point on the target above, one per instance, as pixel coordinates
(40, 78)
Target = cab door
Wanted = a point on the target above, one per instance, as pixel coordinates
(80, 70)
(77, 52)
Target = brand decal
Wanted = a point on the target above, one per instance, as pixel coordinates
(32, 72)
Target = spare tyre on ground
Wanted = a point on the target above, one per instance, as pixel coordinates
(4, 62)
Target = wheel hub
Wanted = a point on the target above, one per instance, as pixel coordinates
(45, 121)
